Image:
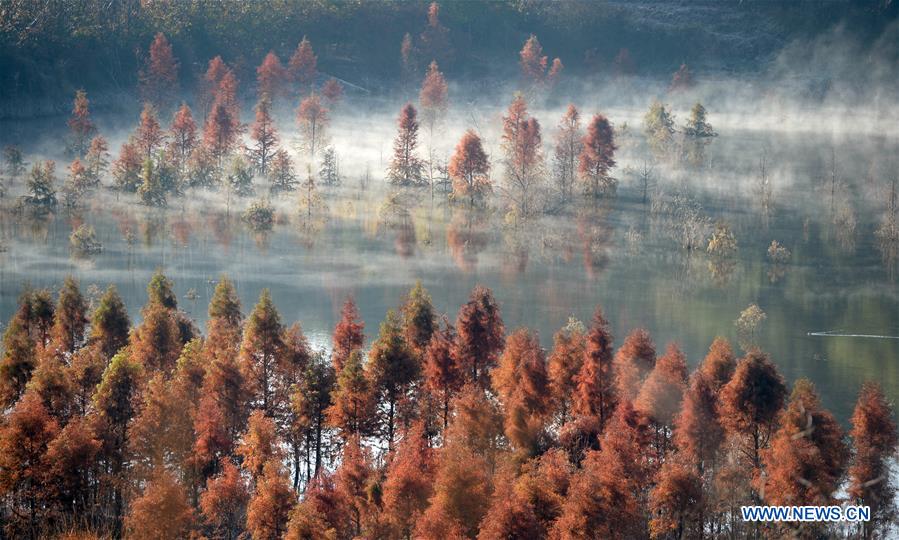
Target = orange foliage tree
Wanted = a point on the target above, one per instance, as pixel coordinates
(469, 168)
(159, 77)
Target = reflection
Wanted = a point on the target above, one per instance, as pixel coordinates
(466, 237)
(595, 234)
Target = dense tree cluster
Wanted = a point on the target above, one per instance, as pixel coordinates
(437, 429)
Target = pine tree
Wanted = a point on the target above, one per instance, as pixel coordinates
(658, 125)
(42, 186)
(302, 66)
(523, 157)
(270, 77)
(419, 319)
(332, 91)
(597, 157)
(269, 509)
(260, 445)
(96, 161)
(182, 137)
(68, 332)
(569, 146)
(409, 481)
(312, 119)
(209, 86)
(433, 97)
(18, 363)
(126, 170)
(353, 399)
(329, 173)
(564, 364)
(161, 512)
(632, 363)
(110, 323)
(224, 502)
(281, 173)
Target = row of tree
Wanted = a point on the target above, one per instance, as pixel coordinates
(435, 430)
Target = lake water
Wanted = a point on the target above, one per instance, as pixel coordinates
(619, 255)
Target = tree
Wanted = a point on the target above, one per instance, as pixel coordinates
(127, 167)
(521, 382)
(874, 438)
(433, 97)
(682, 79)
(183, 137)
(161, 512)
(461, 493)
(419, 319)
(698, 431)
(212, 80)
(76, 185)
(564, 364)
(597, 157)
(435, 42)
(224, 502)
(569, 146)
(151, 190)
(19, 361)
(310, 403)
(149, 134)
(750, 405)
(332, 91)
(269, 509)
(42, 186)
(661, 394)
(392, 369)
(697, 134)
(115, 402)
(632, 363)
(521, 143)
(24, 437)
(262, 345)
(534, 64)
(348, 334)
(13, 161)
(352, 481)
(221, 131)
(68, 331)
(719, 364)
(748, 324)
(264, 136)
(110, 323)
(81, 127)
(71, 468)
(510, 514)
(676, 503)
(281, 173)
(595, 395)
(405, 167)
(469, 168)
(442, 374)
(302, 66)
(407, 58)
(409, 481)
(259, 445)
(312, 119)
(270, 77)
(96, 160)
(806, 460)
(159, 78)
(479, 340)
(658, 125)
(329, 173)
(353, 399)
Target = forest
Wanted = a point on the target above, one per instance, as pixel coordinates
(318, 284)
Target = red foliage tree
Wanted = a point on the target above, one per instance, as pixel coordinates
(633, 362)
(469, 168)
(598, 156)
(435, 41)
(18, 363)
(24, 438)
(682, 79)
(312, 119)
(348, 334)
(303, 66)
(353, 399)
(149, 134)
(521, 143)
(269, 509)
(719, 364)
(70, 319)
(409, 481)
(875, 438)
(533, 62)
(479, 340)
(564, 365)
(807, 456)
(332, 91)
(443, 375)
(750, 405)
(71, 468)
(352, 482)
(521, 382)
(567, 151)
(698, 433)
(183, 136)
(80, 125)
(159, 78)
(259, 445)
(221, 131)
(224, 502)
(676, 503)
(433, 97)
(660, 396)
(161, 512)
(209, 86)
(270, 77)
